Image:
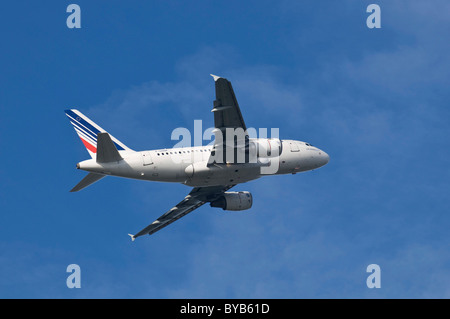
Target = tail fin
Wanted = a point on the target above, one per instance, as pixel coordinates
(87, 130)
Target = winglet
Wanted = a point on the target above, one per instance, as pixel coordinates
(215, 77)
(132, 237)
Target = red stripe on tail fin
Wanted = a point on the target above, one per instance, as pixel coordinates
(89, 146)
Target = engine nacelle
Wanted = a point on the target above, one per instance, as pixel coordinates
(234, 201)
(266, 147)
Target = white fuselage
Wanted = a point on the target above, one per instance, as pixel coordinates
(188, 165)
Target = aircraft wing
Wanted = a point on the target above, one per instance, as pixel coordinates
(196, 198)
(227, 115)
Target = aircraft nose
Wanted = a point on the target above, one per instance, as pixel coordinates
(324, 158)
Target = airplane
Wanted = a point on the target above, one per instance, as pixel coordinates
(233, 158)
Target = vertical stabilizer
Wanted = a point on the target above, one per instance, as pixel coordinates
(87, 130)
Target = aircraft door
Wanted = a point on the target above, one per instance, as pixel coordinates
(147, 158)
(294, 146)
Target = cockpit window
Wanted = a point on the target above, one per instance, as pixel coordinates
(307, 144)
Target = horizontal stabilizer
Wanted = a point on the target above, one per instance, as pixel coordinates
(106, 150)
(88, 180)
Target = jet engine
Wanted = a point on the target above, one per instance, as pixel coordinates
(234, 201)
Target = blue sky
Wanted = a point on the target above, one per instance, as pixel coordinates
(375, 100)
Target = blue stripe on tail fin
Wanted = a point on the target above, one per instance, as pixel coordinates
(87, 130)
